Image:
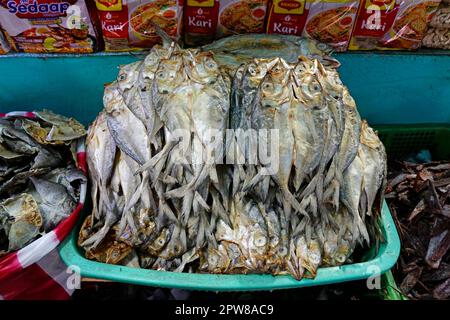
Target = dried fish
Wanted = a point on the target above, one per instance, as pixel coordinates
(180, 192)
(39, 184)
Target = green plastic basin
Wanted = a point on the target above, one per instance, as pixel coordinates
(385, 258)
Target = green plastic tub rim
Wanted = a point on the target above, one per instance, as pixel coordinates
(386, 257)
(390, 289)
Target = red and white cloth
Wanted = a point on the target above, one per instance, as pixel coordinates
(36, 272)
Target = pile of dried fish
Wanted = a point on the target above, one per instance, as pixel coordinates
(39, 184)
(161, 203)
(419, 199)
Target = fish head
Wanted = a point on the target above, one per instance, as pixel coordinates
(128, 75)
(112, 98)
(169, 74)
(342, 253)
(255, 71)
(348, 100)
(368, 136)
(204, 69)
(215, 260)
(175, 247)
(252, 236)
(309, 90)
(160, 242)
(313, 257)
(330, 82)
(273, 91)
(303, 65)
(330, 247)
(258, 241)
(297, 250)
(152, 60)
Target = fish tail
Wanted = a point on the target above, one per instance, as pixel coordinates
(298, 179)
(167, 211)
(250, 184)
(310, 187)
(94, 240)
(199, 199)
(201, 234)
(186, 207)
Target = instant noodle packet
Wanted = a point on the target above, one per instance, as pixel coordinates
(49, 26)
(128, 24)
(287, 16)
(200, 21)
(331, 22)
(375, 19)
(410, 25)
(245, 16)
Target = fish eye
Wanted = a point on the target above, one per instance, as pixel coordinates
(267, 86)
(213, 259)
(252, 70)
(276, 69)
(210, 64)
(161, 75)
(122, 77)
(315, 87)
(300, 67)
(260, 241)
(282, 251)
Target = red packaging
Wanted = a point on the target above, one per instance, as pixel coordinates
(128, 24)
(200, 21)
(375, 19)
(287, 16)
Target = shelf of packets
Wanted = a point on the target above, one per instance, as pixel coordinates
(86, 26)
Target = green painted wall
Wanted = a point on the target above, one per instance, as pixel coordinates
(388, 88)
